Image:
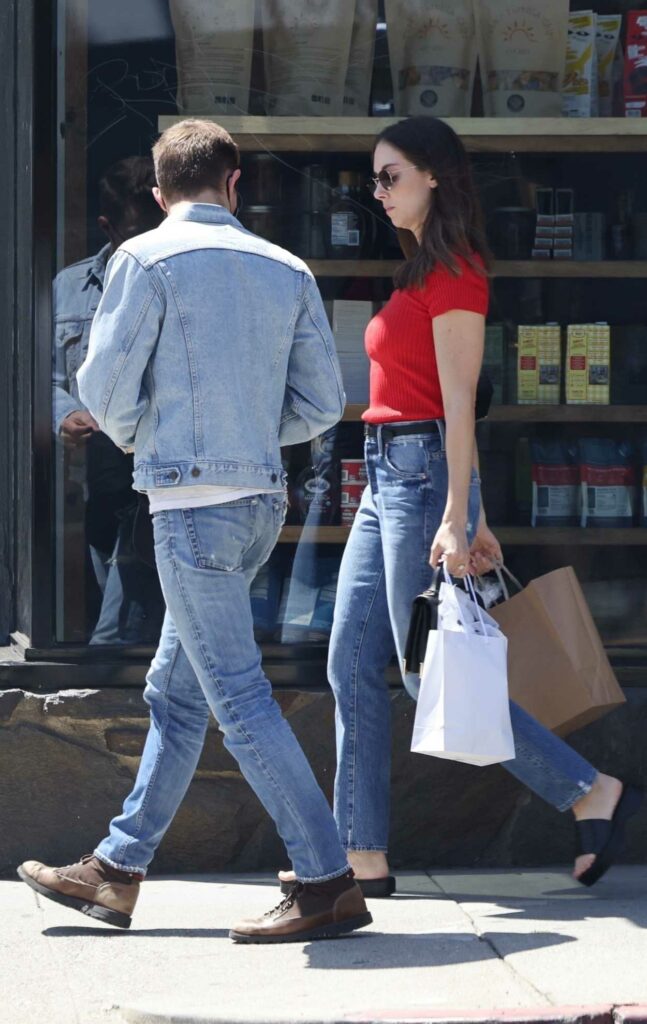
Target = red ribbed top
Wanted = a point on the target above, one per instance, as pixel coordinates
(399, 341)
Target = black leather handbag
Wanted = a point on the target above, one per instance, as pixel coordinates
(424, 616)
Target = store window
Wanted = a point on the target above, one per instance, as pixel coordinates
(538, 96)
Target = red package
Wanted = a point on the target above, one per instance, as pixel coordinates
(635, 70)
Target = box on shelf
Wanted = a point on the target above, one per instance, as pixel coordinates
(588, 364)
(350, 318)
(577, 379)
(493, 359)
(588, 236)
(539, 364)
(635, 68)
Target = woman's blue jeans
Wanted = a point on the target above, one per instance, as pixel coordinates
(385, 565)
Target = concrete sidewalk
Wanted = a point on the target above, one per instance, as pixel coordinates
(499, 945)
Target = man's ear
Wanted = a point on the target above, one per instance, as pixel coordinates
(104, 224)
(433, 183)
(159, 199)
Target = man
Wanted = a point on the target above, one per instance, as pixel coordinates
(211, 349)
(131, 605)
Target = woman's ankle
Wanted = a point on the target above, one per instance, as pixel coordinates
(368, 863)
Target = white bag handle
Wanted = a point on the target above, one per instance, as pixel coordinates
(472, 594)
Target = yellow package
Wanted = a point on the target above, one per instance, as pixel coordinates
(527, 374)
(599, 363)
(577, 378)
(549, 364)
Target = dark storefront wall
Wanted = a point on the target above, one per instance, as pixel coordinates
(90, 740)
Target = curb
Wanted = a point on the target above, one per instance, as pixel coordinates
(597, 1014)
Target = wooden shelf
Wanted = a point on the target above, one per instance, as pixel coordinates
(501, 268)
(567, 414)
(314, 534)
(480, 134)
(512, 536)
(544, 536)
(544, 413)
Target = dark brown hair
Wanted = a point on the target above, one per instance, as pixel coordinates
(126, 185)
(193, 155)
(454, 224)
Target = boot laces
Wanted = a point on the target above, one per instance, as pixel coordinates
(288, 900)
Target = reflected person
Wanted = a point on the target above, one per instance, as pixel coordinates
(131, 605)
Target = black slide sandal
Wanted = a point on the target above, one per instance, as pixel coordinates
(606, 839)
(372, 888)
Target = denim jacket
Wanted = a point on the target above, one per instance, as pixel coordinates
(76, 295)
(209, 350)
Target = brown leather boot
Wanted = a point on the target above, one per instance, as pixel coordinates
(311, 910)
(94, 888)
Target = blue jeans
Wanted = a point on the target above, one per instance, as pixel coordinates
(207, 658)
(385, 565)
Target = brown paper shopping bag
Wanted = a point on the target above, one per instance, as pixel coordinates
(558, 670)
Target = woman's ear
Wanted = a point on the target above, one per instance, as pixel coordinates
(433, 182)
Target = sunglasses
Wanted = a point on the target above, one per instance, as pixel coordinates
(386, 180)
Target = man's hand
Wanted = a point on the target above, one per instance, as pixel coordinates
(77, 427)
(485, 551)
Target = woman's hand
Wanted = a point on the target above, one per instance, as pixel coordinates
(450, 546)
(485, 552)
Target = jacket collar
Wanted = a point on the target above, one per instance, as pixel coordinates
(202, 213)
(96, 270)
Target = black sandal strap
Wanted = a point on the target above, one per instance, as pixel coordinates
(591, 835)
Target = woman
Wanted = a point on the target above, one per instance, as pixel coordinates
(423, 505)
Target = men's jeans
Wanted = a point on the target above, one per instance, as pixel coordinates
(207, 658)
(385, 565)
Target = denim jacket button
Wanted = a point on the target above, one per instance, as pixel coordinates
(173, 475)
(195, 471)
(274, 478)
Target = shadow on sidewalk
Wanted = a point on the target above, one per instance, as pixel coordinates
(367, 950)
(78, 931)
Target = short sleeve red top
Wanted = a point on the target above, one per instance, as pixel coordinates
(404, 383)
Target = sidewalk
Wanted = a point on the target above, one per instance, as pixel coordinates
(499, 945)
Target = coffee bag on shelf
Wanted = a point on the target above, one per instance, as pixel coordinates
(608, 481)
(433, 56)
(521, 50)
(555, 484)
(357, 88)
(580, 86)
(607, 39)
(306, 50)
(213, 46)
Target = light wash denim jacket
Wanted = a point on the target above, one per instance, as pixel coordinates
(76, 295)
(209, 350)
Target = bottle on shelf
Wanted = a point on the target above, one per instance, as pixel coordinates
(348, 220)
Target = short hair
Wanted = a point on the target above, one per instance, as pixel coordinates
(193, 155)
(125, 184)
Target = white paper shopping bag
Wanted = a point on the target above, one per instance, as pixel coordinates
(463, 712)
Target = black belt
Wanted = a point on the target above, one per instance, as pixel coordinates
(390, 430)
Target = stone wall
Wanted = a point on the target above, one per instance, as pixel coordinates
(68, 759)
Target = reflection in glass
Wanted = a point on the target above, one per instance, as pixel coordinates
(110, 589)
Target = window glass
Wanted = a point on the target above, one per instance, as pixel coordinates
(564, 450)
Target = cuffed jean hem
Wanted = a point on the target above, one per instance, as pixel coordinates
(325, 878)
(366, 849)
(120, 867)
(582, 788)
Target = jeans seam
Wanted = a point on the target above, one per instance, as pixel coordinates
(350, 807)
(234, 716)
